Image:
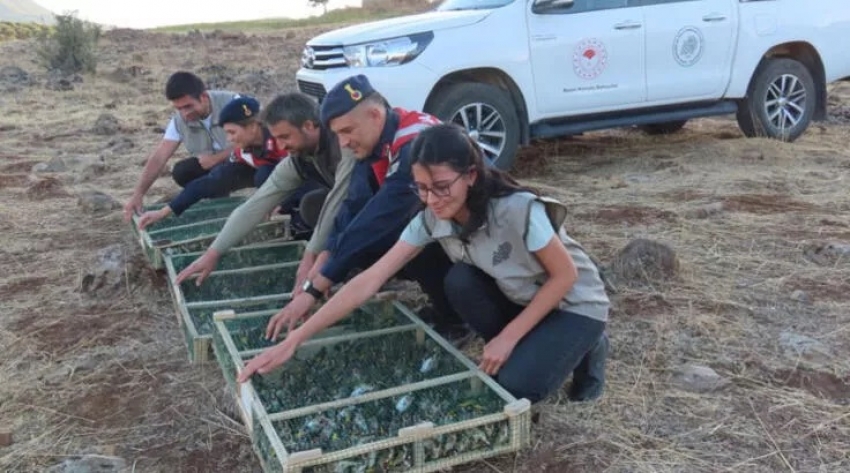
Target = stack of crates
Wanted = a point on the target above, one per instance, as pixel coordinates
(377, 391)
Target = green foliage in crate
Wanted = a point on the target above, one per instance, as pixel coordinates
(353, 368)
(202, 317)
(265, 232)
(192, 216)
(485, 437)
(246, 257)
(241, 284)
(345, 427)
(167, 236)
(394, 459)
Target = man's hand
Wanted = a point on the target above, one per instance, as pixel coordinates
(271, 358)
(132, 207)
(496, 353)
(153, 216)
(297, 308)
(202, 266)
(303, 270)
(207, 161)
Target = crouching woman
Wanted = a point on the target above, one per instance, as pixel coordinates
(518, 280)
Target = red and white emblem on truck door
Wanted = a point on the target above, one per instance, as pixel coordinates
(590, 58)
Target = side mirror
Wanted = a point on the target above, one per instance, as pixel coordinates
(543, 6)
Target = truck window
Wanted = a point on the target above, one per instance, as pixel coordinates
(583, 6)
(659, 2)
(472, 4)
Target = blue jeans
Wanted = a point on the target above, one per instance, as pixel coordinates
(560, 344)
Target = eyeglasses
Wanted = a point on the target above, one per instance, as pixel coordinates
(441, 189)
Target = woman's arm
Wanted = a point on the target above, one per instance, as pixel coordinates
(562, 275)
(350, 297)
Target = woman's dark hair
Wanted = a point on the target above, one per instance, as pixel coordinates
(449, 145)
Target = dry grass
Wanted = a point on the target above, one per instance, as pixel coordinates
(105, 373)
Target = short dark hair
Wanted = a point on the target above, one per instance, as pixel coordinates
(183, 83)
(295, 108)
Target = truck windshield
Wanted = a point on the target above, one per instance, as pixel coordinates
(472, 4)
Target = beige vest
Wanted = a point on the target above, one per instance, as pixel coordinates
(498, 248)
(196, 138)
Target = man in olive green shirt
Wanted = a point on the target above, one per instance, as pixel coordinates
(293, 120)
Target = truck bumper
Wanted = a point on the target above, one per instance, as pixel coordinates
(406, 86)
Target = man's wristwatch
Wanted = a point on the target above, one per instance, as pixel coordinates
(309, 288)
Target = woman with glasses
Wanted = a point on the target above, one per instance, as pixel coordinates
(518, 280)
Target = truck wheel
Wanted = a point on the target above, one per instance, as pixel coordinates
(665, 128)
(780, 102)
(488, 114)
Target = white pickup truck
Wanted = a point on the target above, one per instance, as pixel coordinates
(513, 70)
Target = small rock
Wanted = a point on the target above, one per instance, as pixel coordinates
(828, 253)
(91, 171)
(6, 439)
(56, 164)
(752, 155)
(90, 464)
(796, 346)
(122, 144)
(698, 378)
(706, 210)
(94, 201)
(643, 262)
(14, 76)
(60, 83)
(106, 124)
(800, 296)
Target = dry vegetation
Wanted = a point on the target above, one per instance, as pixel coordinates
(104, 371)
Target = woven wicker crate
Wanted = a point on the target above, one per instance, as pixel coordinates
(204, 210)
(252, 289)
(246, 330)
(196, 235)
(393, 399)
(255, 254)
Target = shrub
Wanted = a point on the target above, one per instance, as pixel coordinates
(71, 46)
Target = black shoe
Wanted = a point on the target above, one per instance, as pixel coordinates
(584, 392)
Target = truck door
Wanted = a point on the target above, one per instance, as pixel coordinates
(586, 55)
(688, 48)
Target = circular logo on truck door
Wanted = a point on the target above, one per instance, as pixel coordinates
(688, 46)
(590, 58)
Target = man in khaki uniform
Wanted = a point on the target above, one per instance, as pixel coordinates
(194, 125)
(315, 155)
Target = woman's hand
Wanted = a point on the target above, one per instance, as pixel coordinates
(496, 353)
(271, 358)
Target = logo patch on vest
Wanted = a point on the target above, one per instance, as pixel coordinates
(502, 253)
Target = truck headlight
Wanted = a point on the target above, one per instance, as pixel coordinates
(387, 52)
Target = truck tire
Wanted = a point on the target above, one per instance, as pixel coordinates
(780, 102)
(665, 128)
(487, 113)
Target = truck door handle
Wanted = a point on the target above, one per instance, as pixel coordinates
(627, 25)
(713, 17)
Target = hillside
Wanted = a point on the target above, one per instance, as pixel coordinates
(24, 11)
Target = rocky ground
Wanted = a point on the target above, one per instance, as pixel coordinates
(735, 359)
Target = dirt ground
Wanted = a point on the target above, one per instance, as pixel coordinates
(761, 229)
